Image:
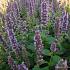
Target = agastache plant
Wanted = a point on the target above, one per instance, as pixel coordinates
(53, 11)
(61, 65)
(18, 22)
(44, 11)
(15, 12)
(39, 47)
(52, 7)
(15, 9)
(10, 32)
(10, 10)
(64, 21)
(15, 66)
(22, 67)
(25, 56)
(31, 7)
(54, 47)
(58, 27)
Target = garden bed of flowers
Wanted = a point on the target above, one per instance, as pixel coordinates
(34, 35)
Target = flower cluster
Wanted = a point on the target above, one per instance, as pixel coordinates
(39, 46)
(58, 27)
(31, 7)
(62, 65)
(44, 11)
(15, 9)
(12, 11)
(52, 7)
(53, 11)
(22, 67)
(53, 46)
(15, 66)
(10, 32)
(64, 21)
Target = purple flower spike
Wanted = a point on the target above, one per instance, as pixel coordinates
(9, 7)
(31, 7)
(22, 67)
(44, 11)
(10, 32)
(39, 46)
(15, 9)
(58, 27)
(54, 47)
(64, 21)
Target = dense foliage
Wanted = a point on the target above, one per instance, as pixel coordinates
(34, 35)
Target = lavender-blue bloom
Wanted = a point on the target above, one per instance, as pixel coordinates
(54, 47)
(31, 7)
(44, 11)
(39, 46)
(64, 21)
(22, 67)
(58, 27)
(15, 9)
(53, 12)
(10, 32)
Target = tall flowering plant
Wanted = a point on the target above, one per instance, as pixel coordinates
(64, 21)
(15, 9)
(62, 65)
(22, 67)
(10, 32)
(53, 11)
(31, 7)
(18, 22)
(54, 47)
(15, 66)
(44, 11)
(58, 27)
(38, 46)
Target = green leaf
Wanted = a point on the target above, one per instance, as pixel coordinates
(45, 68)
(43, 35)
(54, 60)
(36, 68)
(50, 39)
(31, 47)
(47, 52)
